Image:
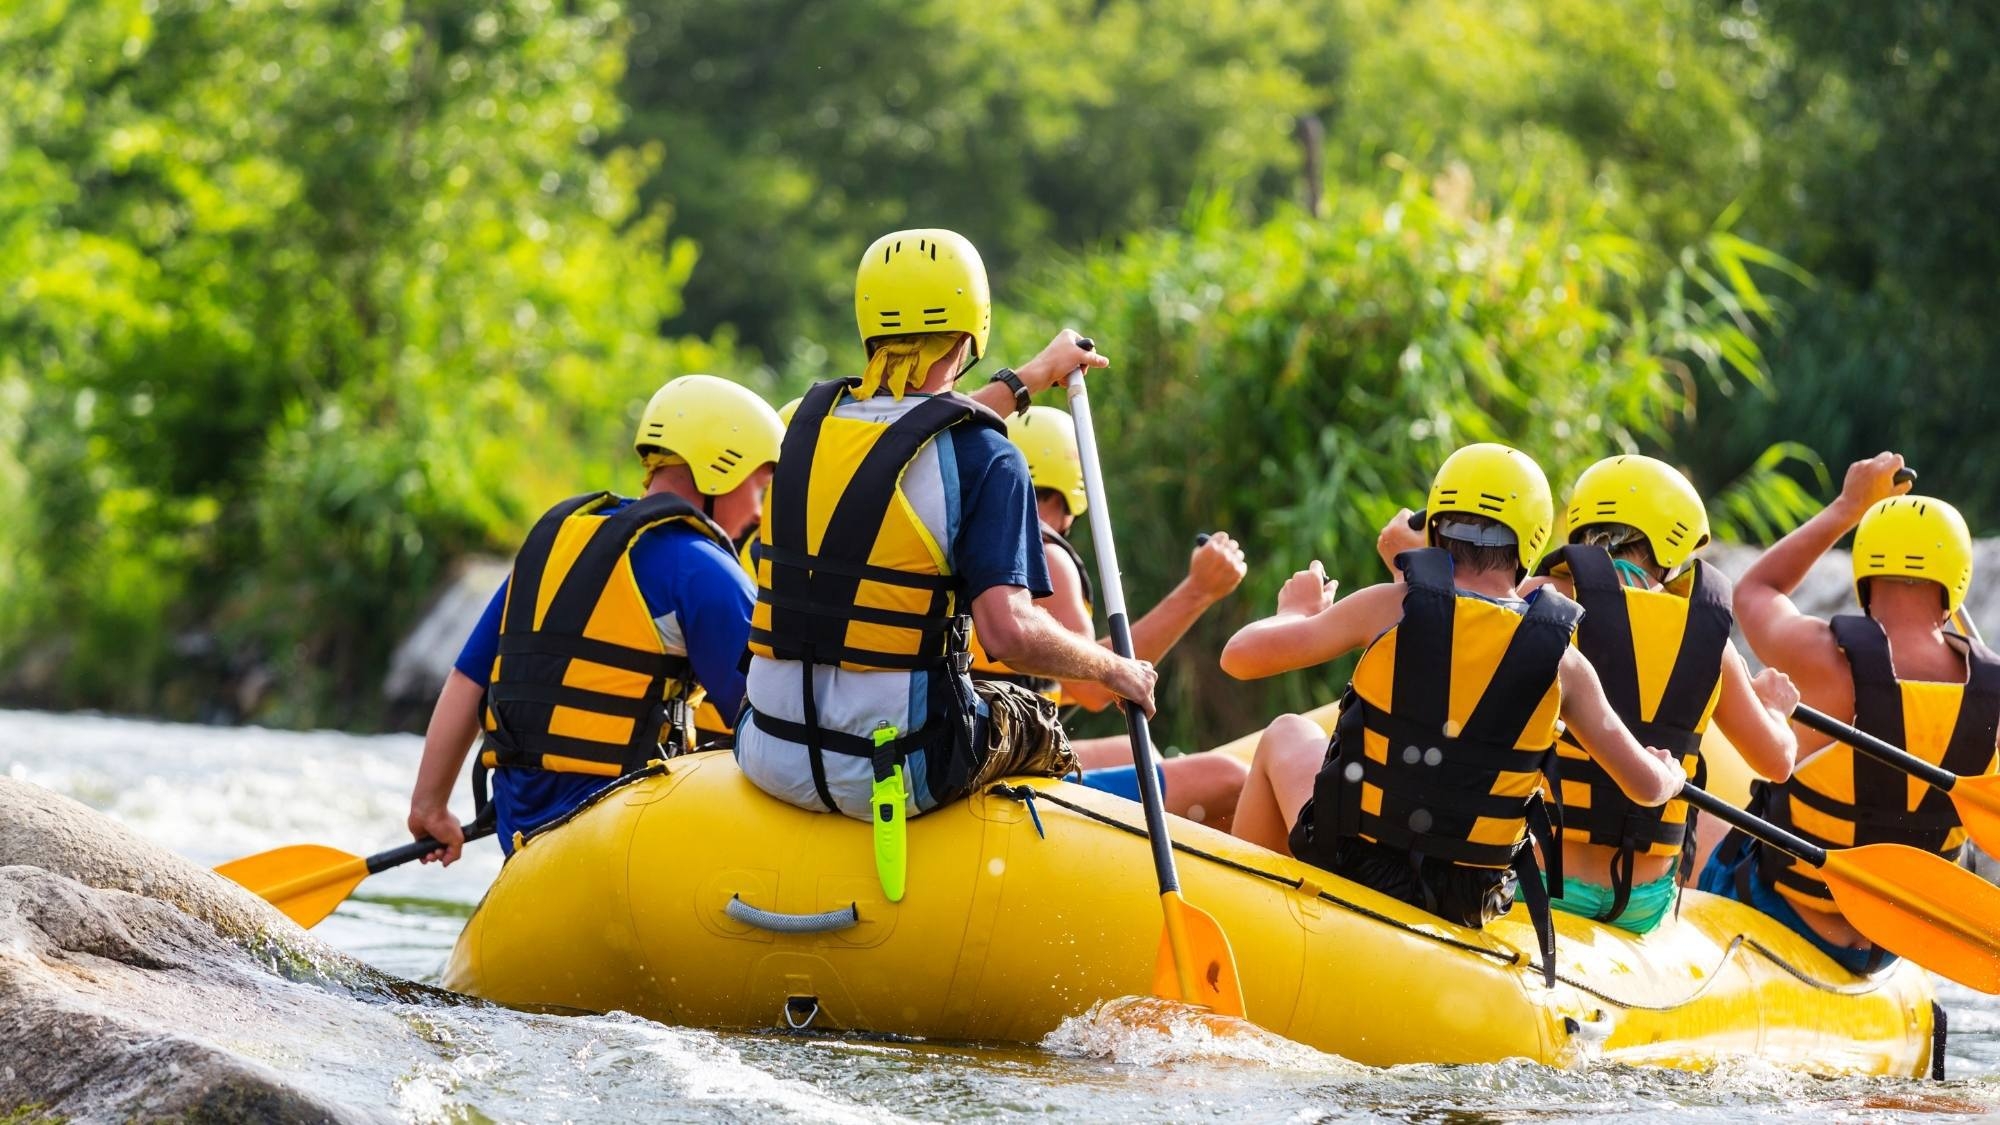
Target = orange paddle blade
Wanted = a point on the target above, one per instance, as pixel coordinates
(305, 881)
(1922, 907)
(1978, 802)
(1211, 966)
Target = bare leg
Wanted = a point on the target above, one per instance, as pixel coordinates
(1281, 779)
(1205, 787)
(1108, 752)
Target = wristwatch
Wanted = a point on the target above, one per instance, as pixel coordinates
(1022, 399)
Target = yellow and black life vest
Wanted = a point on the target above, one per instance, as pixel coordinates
(1840, 799)
(848, 575)
(1659, 655)
(1447, 734)
(582, 682)
(985, 667)
(1449, 725)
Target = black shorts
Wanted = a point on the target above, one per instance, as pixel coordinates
(1469, 896)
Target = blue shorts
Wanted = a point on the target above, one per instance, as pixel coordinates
(1122, 781)
(1721, 877)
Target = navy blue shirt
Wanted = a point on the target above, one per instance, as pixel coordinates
(684, 576)
(996, 539)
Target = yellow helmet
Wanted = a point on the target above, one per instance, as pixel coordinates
(721, 431)
(1643, 493)
(924, 280)
(1498, 482)
(1047, 437)
(1914, 537)
(786, 411)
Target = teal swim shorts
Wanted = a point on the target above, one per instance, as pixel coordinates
(1645, 909)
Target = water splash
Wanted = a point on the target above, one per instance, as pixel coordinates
(1147, 1031)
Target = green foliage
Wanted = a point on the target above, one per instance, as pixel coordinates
(299, 304)
(1295, 382)
(797, 131)
(1882, 187)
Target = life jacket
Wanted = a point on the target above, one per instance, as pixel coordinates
(848, 576)
(1450, 720)
(582, 682)
(1841, 799)
(1447, 733)
(1659, 655)
(985, 667)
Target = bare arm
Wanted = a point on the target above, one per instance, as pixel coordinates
(1214, 571)
(1067, 606)
(1023, 636)
(1778, 632)
(454, 724)
(1756, 714)
(1304, 634)
(1063, 355)
(1648, 776)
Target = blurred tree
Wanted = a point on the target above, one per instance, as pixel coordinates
(1883, 189)
(1295, 381)
(798, 130)
(299, 303)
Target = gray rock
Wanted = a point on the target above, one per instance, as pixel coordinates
(135, 985)
(418, 668)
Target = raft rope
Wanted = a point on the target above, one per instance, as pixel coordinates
(1028, 795)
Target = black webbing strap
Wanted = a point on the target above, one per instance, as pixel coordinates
(524, 584)
(1420, 690)
(1605, 634)
(570, 611)
(1535, 896)
(1698, 664)
(669, 665)
(1878, 709)
(811, 605)
(1526, 670)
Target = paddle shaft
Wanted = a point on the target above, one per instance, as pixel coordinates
(1868, 744)
(1121, 637)
(1757, 827)
(397, 857)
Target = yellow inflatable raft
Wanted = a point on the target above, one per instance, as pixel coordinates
(685, 895)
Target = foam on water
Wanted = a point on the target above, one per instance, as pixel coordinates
(214, 793)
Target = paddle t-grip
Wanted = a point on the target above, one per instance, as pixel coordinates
(1904, 476)
(1417, 520)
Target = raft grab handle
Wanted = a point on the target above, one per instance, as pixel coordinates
(831, 921)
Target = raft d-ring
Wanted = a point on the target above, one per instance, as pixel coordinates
(797, 1004)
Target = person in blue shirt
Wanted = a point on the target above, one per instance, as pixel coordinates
(900, 512)
(617, 615)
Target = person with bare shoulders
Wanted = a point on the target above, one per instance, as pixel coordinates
(1432, 780)
(1656, 628)
(1201, 787)
(1896, 668)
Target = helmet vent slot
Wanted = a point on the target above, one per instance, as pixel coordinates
(1491, 503)
(725, 460)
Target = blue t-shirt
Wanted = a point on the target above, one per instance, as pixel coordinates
(996, 534)
(696, 592)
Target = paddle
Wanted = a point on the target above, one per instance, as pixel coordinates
(307, 881)
(1195, 964)
(1915, 904)
(1976, 798)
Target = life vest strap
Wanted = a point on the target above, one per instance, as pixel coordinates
(847, 568)
(848, 656)
(636, 708)
(852, 745)
(931, 625)
(662, 665)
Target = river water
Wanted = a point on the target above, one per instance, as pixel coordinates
(217, 793)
